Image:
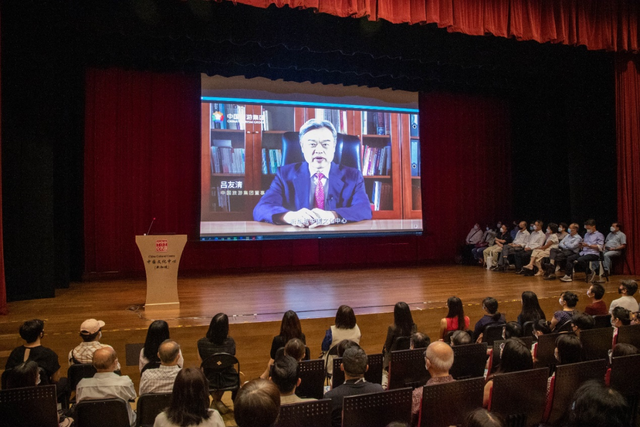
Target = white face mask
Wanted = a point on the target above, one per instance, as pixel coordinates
(487, 228)
(613, 229)
(560, 229)
(548, 231)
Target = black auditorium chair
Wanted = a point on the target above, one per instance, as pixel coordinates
(438, 401)
(520, 396)
(527, 328)
(596, 343)
(77, 372)
(149, 406)
(602, 321)
(312, 379)
(492, 333)
(102, 413)
(223, 372)
(625, 377)
(313, 413)
(29, 407)
(629, 334)
(373, 374)
(546, 347)
(469, 360)
(497, 347)
(407, 369)
(377, 409)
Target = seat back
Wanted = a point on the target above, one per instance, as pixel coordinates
(497, 346)
(439, 399)
(373, 374)
(546, 347)
(149, 406)
(220, 369)
(602, 321)
(520, 396)
(568, 379)
(527, 328)
(78, 371)
(468, 361)
(314, 413)
(102, 413)
(377, 409)
(625, 377)
(312, 378)
(29, 406)
(629, 334)
(492, 332)
(596, 343)
(347, 150)
(407, 369)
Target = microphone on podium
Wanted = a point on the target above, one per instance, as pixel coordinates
(150, 225)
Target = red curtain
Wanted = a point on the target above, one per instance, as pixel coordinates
(3, 286)
(466, 175)
(141, 161)
(596, 24)
(628, 135)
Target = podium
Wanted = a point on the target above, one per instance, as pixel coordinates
(161, 256)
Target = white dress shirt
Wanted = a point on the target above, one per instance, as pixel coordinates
(106, 385)
(536, 239)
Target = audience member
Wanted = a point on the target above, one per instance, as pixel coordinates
(535, 241)
(296, 349)
(512, 329)
(597, 306)
(419, 340)
(403, 326)
(614, 244)
(455, 319)
(25, 374)
(289, 328)
(460, 338)
(623, 349)
(106, 383)
(531, 311)
(582, 322)
(438, 360)
(257, 404)
(189, 403)
(635, 318)
(595, 405)
(502, 238)
(543, 251)
(562, 318)
(570, 245)
(91, 333)
(32, 332)
(344, 345)
(345, 328)
(491, 317)
(161, 380)
(285, 374)
(562, 231)
(157, 334)
(568, 349)
(354, 365)
(519, 242)
(473, 237)
(627, 289)
(483, 418)
(590, 251)
(218, 340)
(488, 239)
(514, 357)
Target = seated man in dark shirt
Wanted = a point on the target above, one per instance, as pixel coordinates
(354, 365)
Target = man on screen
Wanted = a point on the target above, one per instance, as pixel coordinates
(315, 192)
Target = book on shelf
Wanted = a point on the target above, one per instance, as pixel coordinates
(271, 160)
(337, 118)
(236, 116)
(382, 196)
(218, 116)
(225, 158)
(415, 157)
(220, 202)
(376, 123)
(376, 160)
(416, 196)
(414, 127)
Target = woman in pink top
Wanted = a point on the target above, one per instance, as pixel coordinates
(455, 320)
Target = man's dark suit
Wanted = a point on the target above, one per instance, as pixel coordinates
(290, 191)
(349, 388)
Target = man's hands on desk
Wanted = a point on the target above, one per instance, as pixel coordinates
(312, 218)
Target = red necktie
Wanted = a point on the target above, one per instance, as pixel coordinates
(319, 191)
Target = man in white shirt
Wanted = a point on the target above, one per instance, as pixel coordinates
(614, 244)
(518, 244)
(106, 384)
(626, 288)
(536, 240)
(161, 379)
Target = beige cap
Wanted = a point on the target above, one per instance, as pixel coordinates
(91, 326)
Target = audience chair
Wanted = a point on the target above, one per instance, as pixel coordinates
(149, 406)
(312, 379)
(407, 369)
(222, 373)
(567, 380)
(546, 347)
(520, 396)
(401, 343)
(602, 321)
(629, 334)
(625, 377)
(492, 333)
(448, 403)
(29, 407)
(78, 371)
(527, 329)
(102, 413)
(373, 374)
(468, 361)
(377, 409)
(596, 343)
(314, 413)
(333, 351)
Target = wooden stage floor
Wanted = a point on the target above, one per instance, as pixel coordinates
(255, 303)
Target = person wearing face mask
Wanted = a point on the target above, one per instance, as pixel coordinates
(91, 333)
(562, 319)
(535, 241)
(543, 251)
(597, 306)
(518, 244)
(473, 238)
(562, 231)
(492, 252)
(591, 246)
(626, 288)
(488, 239)
(570, 245)
(614, 244)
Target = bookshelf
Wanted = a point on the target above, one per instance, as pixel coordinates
(243, 151)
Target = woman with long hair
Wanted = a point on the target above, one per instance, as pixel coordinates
(515, 356)
(455, 319)
(289, 328)
(403, 326)
(531, 311)
(189, 403)
(157, 333)
(218, 340)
